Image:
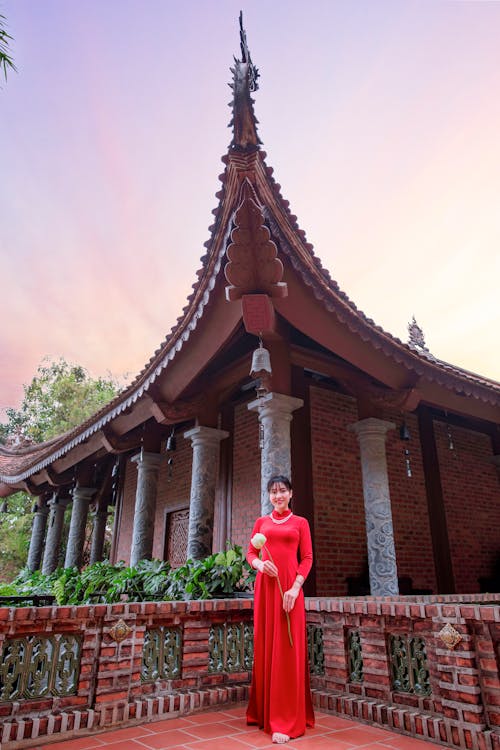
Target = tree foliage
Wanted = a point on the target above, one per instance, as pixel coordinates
(6, 61)
(60, 396)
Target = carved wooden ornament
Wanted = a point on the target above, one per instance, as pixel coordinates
(253, 265)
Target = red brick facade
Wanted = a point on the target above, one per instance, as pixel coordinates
(469, 483)
(471, 496)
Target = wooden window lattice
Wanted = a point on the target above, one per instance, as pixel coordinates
(409, 668)
(161, 654)
(355, 656)
(230, 647)
(177, 536)
(38, 666)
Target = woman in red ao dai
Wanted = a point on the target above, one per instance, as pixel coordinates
(280, 697)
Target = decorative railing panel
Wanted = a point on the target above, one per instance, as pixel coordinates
(409, 668)
(315, 649)
(161, 654)
(230, 647)
(38, 666)
(355, 656)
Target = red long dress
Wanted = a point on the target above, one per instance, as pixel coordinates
(280, 697)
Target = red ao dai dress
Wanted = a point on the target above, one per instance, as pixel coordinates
(280, 697)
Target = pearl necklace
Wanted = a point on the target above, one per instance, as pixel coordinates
(283, 520)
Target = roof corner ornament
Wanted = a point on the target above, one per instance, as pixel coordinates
(245, 75)
(416, 335)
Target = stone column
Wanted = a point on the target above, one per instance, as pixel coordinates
(275, 415)
(37, 536)
(76, 536)
(55, 526)
(371, 434)
(148, 469)
(98, 534)
(206, 444)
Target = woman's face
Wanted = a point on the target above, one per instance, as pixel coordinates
(280, 497)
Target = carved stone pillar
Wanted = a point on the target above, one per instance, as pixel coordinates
(57, 507)
(206, 444)
(371, 434)
(275, 415)
(98, 534)
(37, 536)
(148, 469)
(76, 536)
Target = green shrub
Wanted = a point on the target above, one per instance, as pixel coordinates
(220, 574)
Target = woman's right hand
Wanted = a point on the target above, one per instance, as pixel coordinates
(269, 568)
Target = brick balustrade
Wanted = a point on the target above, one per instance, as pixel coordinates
(460, 707)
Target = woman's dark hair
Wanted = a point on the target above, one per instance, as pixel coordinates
(279, 479)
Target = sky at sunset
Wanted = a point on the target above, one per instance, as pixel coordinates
(381, 119)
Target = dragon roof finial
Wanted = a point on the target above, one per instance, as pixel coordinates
(416, 335)
(245, 75)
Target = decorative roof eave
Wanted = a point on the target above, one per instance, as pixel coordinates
(300, 253)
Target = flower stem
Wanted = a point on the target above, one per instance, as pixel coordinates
(282, 598)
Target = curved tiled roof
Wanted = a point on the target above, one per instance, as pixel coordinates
(18, 464)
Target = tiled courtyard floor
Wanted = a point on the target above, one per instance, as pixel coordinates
(227, 730)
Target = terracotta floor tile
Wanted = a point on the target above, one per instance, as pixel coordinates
(128, 733)
(240, 711)
(359, 735)
(237, 724)
(210, 731)
(164, 725)
(81, 743)
(219, 743)
(255, 738)
(325, 742)
(210, 717)
(161, 740)
(335, 722)
(401, 742)
(227, 729)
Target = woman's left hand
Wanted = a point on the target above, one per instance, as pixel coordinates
(289, 598)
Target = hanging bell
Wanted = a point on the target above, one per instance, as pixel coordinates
(171, 443)
(404, 432)
(261, 361)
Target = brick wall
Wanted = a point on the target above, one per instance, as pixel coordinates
(173, 490)
(471, 494)
(340, 537)
(246, 475)
(410, 516)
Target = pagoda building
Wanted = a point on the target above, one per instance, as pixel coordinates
(271, 369)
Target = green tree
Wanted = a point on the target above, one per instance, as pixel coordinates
(59, 397)
(5, 59)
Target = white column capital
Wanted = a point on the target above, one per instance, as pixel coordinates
(371, 427)
(83, 493)
(58, 502)
(202, 435)
(276, 404)
(147, 460)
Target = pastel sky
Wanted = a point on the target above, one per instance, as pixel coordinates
(381, 119)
